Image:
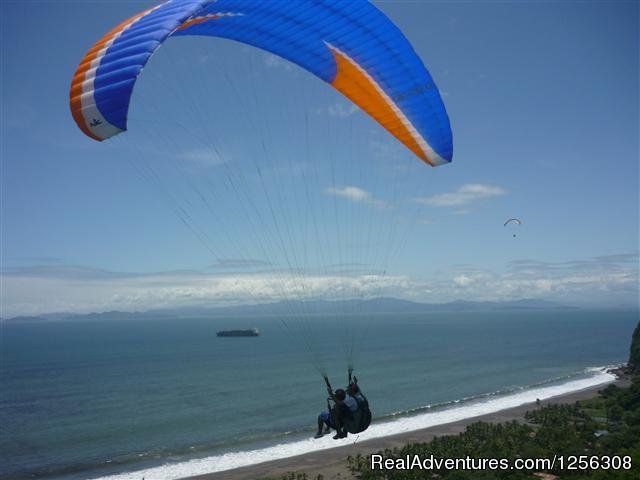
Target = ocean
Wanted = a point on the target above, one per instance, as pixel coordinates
(133, 397)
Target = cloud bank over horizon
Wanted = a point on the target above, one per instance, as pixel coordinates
(604, 281)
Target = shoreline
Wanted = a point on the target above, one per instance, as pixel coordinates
(331, 462)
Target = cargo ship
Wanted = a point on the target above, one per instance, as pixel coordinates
(253, 332)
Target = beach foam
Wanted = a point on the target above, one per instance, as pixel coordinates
(461, 410)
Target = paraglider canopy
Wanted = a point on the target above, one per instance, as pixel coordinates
(350, 45)
(514, 221)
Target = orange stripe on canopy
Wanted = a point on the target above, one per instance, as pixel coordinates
(354, 83)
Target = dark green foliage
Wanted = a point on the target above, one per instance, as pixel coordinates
(552, 430)
(634, 354)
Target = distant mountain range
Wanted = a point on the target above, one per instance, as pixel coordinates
(372, 306)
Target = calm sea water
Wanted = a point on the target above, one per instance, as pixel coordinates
(82, 400)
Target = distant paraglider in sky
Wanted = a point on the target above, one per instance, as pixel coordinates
(513, 221)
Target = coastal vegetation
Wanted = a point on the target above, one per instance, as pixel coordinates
(606, 425)
(634, 354)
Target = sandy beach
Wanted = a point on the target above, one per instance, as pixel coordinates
(332, 463)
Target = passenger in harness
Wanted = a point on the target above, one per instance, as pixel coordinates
(350, 413)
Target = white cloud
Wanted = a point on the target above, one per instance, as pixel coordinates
(352, 193)
(611, 280)
(464, 195)
(204, 157)
(240, 263)
(274, 61)
(600, 281)
(29, 295)
(337, 110)
(356, 194)
(462, 280)
(341, 110)
(387, 148)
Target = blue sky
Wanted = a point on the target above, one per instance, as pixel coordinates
(305, 195)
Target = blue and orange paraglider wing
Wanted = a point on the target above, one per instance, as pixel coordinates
(102, 85)
(350, 45)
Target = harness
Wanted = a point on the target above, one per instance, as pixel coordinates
(361, 418)
(358, 420)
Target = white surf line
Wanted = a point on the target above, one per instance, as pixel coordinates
(229, 461)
